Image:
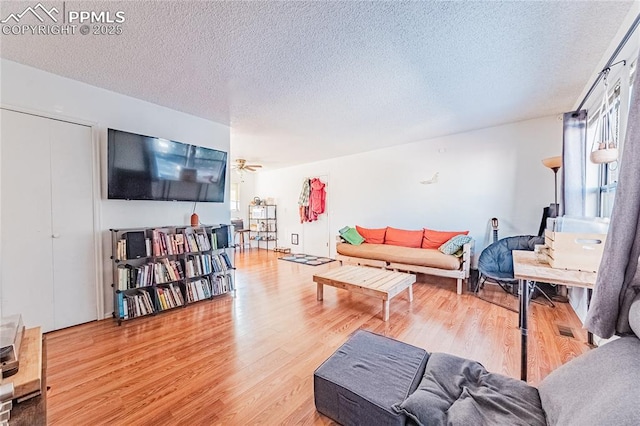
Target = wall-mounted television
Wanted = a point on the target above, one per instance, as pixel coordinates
(149, 168)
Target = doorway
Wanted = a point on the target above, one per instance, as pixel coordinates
(315, 235)
(47, 220)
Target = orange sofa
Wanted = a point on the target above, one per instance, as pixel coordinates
(411, 251)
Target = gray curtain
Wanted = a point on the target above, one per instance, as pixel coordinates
(618, 279)
(574, 146)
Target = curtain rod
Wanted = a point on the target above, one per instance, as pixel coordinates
(623, 42)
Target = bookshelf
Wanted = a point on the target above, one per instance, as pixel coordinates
(263, 225)
(163, 268)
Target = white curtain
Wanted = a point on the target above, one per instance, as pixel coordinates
(574, 146)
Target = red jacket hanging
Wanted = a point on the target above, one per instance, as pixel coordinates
(317, 199)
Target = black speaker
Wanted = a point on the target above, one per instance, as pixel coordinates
(136, 246)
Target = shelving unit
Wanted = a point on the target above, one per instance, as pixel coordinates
(263, 225)
(157, 269)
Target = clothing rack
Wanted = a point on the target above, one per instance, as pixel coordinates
(610, 63)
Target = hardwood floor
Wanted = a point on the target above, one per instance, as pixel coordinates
(250, 359)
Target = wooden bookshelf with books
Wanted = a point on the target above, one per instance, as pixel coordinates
(162, 268)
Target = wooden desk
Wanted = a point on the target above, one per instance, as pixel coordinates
(527, 270)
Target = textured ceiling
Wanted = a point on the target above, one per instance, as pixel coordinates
(302, 81)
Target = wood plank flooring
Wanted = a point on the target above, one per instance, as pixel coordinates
(250, 359)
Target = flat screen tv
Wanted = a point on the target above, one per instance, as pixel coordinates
(148, 168)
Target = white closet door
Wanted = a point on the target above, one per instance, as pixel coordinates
(72, 224)
(27, 269)
(48, 251)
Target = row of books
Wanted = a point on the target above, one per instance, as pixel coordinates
(197, 241)
(188, 242)
(133, 245)
(167, 271)
(135, 305)
(204, 288)
(198, 265)
(204, 264)
(163, 271)
(140, 303)
(169, 297)
(163, 243)
(221, 284)
(198, 290)
(121, 249)
(221, 262)
(134, 277)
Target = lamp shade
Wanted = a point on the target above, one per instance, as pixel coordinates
(553, 162)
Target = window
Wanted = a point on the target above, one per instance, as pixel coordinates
(602, 179)
(234, 197)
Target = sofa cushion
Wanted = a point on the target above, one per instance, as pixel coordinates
(373, 236)
(403, 237)
(434, 239)
(457, 391)
(404, 255)
(454, 245)
(351, 235)
(596, 388)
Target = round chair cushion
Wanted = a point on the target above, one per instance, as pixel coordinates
(496, 261)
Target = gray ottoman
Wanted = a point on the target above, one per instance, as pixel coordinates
(360, 382)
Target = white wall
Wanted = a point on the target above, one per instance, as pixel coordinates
(247, 193)
(493, 172)
(36, 90)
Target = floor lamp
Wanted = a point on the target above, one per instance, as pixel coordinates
(554, 163)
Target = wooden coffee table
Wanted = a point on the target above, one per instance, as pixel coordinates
(374, 282)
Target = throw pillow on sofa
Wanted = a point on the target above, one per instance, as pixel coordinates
(402, 237)
(434, 239)
(372, 236)
(351, 236)
(454, 245)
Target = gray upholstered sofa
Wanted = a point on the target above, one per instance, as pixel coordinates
(374, 380)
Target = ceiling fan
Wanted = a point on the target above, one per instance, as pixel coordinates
(241, 165)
